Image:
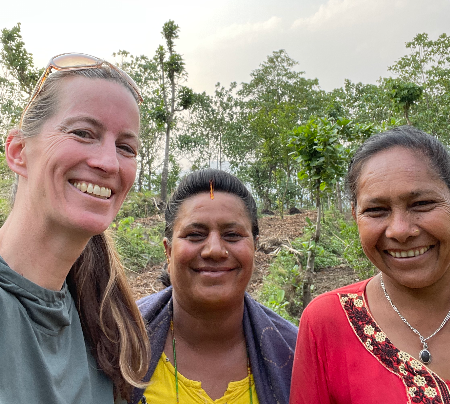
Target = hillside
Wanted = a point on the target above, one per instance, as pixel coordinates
(274, 232)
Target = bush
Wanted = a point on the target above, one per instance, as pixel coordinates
(353, 252)
(138, 246)
(139, 205)
(282, 287)
(339, 244)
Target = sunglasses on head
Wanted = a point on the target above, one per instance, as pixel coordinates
(76, 61)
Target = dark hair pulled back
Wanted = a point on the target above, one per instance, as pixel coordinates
(202, 181)
(407, 137)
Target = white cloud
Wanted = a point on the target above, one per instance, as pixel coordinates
(344, 13)
(248, 31)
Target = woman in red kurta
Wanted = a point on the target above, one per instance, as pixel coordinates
(343, 356)
(387, 339)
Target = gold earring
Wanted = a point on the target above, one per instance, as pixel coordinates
(167, 257)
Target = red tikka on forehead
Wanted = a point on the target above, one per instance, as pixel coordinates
(211, 189)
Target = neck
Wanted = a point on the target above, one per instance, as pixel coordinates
(210, 329)
(42, 255)
(431, 297)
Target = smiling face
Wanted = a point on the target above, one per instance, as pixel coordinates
(212, 251)
(403, 217)
(81, 165)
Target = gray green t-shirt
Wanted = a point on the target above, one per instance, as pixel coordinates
(43, 356)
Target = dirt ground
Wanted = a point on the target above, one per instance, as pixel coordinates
(274, 232)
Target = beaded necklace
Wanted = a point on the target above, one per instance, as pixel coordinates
(249, 369)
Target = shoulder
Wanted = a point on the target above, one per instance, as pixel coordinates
(326, 304)
(150, 306)
(261, 313)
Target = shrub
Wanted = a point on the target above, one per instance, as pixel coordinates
(138, 246)
(139, 205)
(353, 251)
(280, 288)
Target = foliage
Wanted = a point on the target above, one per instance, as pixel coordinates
(353, 251)
(276, 99)
(139, 205)
(404, 95)
(362, 103)
(428, 66)
(144, 72)
(17, 60)
(279, 290)
(339, 245)
(17, 77)
(319, 151)
(213, 130)
(175, 97)
(138, 246)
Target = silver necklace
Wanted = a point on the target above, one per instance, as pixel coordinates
(424, 354)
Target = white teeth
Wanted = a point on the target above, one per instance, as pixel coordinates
(106, 192)
(92, 189)
(409, 253)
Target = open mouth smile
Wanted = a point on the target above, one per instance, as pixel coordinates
(93, 189)
(409, 253)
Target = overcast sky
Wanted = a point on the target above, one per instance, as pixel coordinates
(223, 41)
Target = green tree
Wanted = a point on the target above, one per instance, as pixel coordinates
(144, 72)
(276, 100)
(175, 97)
(18, 76)
(404, 96)
(212, 132)
(363, 103)
(322, 157)
(428, 66)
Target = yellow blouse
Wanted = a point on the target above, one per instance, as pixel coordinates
(162, 389)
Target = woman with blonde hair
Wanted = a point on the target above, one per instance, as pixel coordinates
(71, 332)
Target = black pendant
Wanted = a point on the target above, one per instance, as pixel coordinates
(425, 356)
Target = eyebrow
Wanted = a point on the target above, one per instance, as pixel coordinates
(412, 194)
(97, 124)
(88, 119)
(204, 226)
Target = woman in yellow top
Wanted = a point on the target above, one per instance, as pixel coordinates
(211, 342)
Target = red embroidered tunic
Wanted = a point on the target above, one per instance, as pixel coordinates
(343, 357)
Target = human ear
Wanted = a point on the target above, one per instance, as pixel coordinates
(168, 252)
(353, 211)
(15, 152)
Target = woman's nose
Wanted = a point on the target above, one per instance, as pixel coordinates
(105, 156)
(401, 226)
(214, 247)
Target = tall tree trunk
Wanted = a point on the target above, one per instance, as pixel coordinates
(338, 197)
(309, 272)
(165, 171)
(406, 109)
